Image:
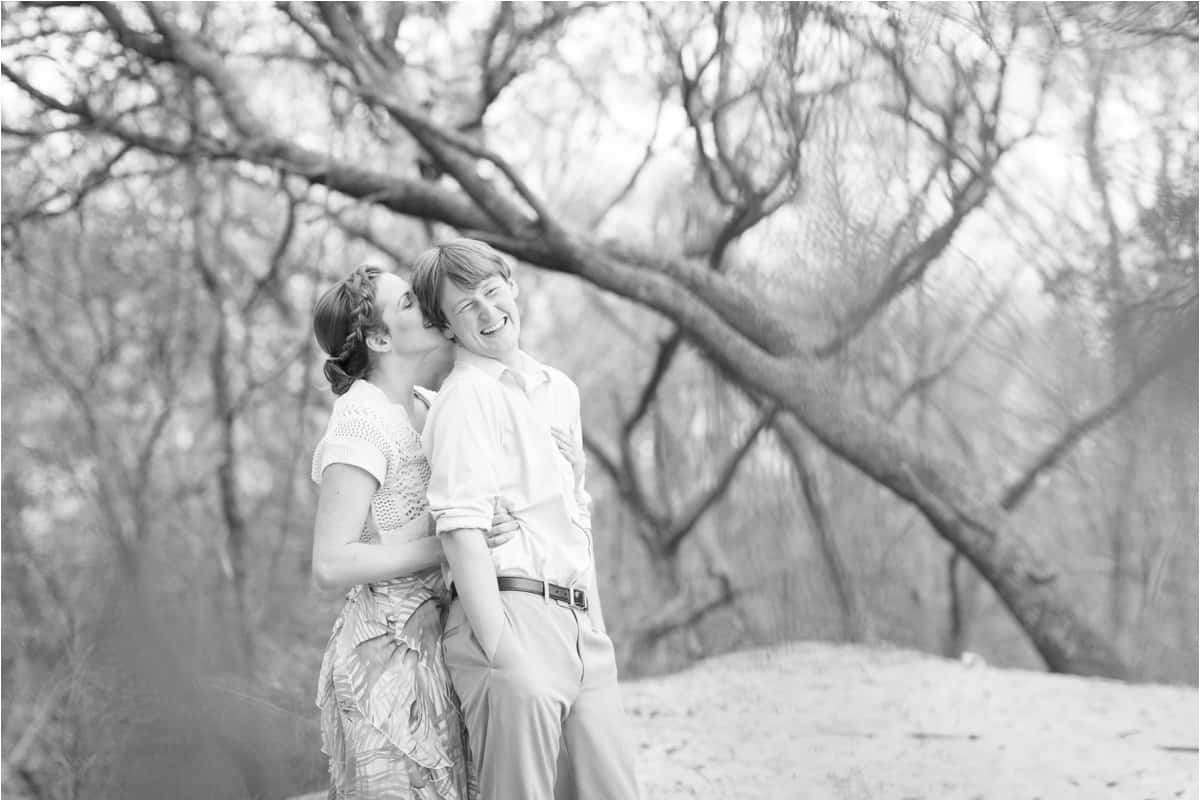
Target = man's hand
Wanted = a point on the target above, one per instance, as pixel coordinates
(475, 580)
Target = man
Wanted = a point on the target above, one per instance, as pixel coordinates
(525, 640)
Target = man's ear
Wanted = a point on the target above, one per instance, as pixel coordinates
(512, 283)
(447, 333)
(379, 342)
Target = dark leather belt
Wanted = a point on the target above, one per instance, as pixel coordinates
(570, 596)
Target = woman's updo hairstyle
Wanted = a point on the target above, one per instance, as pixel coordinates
(342, 320)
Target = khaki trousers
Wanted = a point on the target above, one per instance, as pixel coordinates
(552, 684)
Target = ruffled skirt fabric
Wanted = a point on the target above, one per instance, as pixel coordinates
(390, 721)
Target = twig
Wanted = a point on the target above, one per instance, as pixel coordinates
(933, 735)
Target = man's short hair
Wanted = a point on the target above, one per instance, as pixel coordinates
(466, 262)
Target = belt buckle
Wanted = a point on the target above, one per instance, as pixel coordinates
(565, 603)
(580, 604)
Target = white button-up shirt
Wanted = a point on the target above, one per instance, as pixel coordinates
(488, 440)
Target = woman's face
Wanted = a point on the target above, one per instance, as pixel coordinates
(397, 307)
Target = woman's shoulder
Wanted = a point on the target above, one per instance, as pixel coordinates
(362, 398)
(366, 407)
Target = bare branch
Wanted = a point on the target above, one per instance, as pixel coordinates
(630, 492)
(666, 354)
(1100, 181)
(677, 614)
(932, 376)
(363, 232)
(1077, 430)
(434, 138)
(628, 187)
(696, 508)
(144, 462)
(324, 43)
(133, 39)
(94, 179)
(792, 435)
(268, 283)
(910, 267)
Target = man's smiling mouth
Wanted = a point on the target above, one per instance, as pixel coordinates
(493, 329)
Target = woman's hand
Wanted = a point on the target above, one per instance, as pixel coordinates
(572, 453)
(504, 528)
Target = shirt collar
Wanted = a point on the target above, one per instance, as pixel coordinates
(530, 371)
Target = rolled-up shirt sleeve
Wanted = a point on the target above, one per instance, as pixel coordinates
(462, 442)
(355, 436)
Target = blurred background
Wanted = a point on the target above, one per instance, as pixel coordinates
(883, 317)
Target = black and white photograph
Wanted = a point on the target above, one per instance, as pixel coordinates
(610, 400)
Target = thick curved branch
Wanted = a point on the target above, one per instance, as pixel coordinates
(457, 155)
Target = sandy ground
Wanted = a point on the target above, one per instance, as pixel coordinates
(814, 720)
(828, 721)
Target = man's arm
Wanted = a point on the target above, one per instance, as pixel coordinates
(462, 443)
(475, 580)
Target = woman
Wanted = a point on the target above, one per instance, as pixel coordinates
(390, 721)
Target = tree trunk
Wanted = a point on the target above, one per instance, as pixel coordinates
(855, 623)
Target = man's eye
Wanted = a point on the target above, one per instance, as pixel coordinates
(492, 291)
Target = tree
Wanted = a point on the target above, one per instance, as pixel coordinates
(465, 182)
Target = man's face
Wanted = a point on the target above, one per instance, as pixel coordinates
(484, 320)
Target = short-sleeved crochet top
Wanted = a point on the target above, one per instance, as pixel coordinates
(368, 431)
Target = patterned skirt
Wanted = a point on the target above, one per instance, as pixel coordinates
(390, 721)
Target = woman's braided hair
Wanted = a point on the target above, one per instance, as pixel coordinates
(342, 320)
